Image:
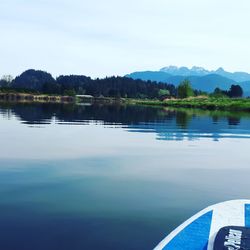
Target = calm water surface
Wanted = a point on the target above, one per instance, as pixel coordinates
(112, 177)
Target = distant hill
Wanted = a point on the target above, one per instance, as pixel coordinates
(200, 78)
(156, 76)
(236, 76)
(33, 79)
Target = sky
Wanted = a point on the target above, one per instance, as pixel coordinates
(101, 38)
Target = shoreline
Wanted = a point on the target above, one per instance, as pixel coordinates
(203, 103)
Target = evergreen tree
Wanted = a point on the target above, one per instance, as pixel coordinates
(235, 91)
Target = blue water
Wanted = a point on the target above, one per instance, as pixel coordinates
(113, 177)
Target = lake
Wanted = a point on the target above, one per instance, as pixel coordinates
(113, 177)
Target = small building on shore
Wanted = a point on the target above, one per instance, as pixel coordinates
(85, 98)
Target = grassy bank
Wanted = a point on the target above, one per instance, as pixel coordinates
(240, 104)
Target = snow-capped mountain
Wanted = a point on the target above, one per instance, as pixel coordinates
(199, 71)
(184, 71)
(199, 77)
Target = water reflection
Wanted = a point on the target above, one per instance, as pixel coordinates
(168, 124)
(95, 177)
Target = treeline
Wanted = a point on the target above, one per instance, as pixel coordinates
(184, 90)
(37, 81)
(42, 82)
(234, 92)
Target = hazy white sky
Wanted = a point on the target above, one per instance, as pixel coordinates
(115, 37)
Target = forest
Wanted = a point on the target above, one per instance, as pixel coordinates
(42, 82)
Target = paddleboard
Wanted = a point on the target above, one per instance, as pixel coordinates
(222, 226)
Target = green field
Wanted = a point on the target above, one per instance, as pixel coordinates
(242, 104)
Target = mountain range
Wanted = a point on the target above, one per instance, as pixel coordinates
(200, 78)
